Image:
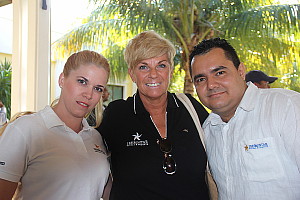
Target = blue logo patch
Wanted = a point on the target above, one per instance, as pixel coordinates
(2, 163)
(256, 146)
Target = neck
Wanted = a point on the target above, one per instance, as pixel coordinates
(155, 106)
(73, 123)
(157, 109)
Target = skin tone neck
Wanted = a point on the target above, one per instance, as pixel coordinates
(75, 124)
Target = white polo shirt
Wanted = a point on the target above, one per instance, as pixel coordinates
(256, 155)
(51, 160)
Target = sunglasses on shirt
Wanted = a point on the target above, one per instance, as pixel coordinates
(169, 164)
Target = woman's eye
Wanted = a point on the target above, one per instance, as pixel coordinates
(142, 67)
(81, 81)
(162, 66)
(99, 89)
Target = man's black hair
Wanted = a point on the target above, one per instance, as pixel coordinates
(207, 45)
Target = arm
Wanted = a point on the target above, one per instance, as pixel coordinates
(289, 116)
(107, 188)
(7, 189)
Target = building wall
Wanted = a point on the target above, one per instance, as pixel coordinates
(4, 56)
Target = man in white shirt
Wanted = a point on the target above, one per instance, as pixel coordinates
(252, 135)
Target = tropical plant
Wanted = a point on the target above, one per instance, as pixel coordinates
(5, 85)
(261, 31)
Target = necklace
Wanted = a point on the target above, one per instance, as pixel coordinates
(157, 128)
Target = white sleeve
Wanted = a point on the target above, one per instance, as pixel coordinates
(291, 127)
(13, 153)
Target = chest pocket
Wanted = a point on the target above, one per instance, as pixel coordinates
(260, 160)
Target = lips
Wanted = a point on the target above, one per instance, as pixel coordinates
(215, 94)
(83, 104)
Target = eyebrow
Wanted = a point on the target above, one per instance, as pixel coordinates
(157, 63)
(85, 79)
(212, 71)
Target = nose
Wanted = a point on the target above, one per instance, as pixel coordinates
(212, 83)
(153, 73)
(88, 93)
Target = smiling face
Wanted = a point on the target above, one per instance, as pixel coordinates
(81, 90)
(220, 86)
(152, 77)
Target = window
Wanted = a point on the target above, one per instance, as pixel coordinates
(115, 91)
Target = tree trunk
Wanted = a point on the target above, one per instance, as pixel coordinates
(188, 83)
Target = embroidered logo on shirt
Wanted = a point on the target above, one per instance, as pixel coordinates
(98, 149)
(137, 136)
(185, 130)
(2, 163)
(256, 146)
(137, 141)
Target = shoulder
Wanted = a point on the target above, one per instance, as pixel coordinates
(119, 105)
(280, 95)
(24, 125)
(201, 111)
(116, 111)
(26, 120)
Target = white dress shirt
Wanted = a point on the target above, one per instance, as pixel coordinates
(256, 155)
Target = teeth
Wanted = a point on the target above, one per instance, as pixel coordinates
(153, 84)
(83, 104)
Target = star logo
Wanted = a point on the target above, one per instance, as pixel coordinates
(246, 148)
(137, 136)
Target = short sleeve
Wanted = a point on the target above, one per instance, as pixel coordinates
(13, 151)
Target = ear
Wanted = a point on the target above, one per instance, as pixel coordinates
(132, 75)
(61, 80)
(242, 70)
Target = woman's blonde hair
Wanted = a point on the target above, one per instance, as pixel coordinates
(82, 58)
(13, 118)
(148, 44)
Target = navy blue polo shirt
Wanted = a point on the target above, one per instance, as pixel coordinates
(136, 159)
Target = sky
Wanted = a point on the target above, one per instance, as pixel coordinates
(65, 15)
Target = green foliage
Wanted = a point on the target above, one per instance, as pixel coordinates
(177, 81)
(5, 85)
(265, 34)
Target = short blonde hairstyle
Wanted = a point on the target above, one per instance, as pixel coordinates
(82, 58)
(148, 44)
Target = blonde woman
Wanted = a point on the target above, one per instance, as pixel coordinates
(156, 151)
(54, 153)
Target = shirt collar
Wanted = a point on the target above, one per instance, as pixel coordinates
(138, 106)
(52, 120)
(247, 104)
(250, 97)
